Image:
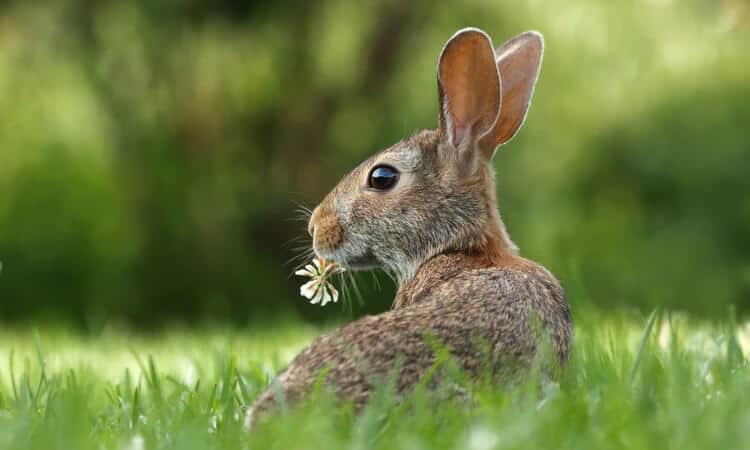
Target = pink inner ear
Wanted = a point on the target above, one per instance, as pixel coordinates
(469, 86)
(518, 63)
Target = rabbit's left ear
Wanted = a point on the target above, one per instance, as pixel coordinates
(469, 88)
(518, 62)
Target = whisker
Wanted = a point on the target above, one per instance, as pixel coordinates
(297, 240)
(355, 287)
(303, 250)
(305, 256)
(390, 275)
(297, 219)
(303, 211)
(298, 246)
(299, 261)
(301, 206)
(345, 302)
(375, 280)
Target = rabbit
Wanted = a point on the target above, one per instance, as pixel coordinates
(425, 211)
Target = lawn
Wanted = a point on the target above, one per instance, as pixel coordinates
(664, 381)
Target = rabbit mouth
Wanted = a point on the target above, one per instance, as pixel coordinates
(364, 261)
(361, 261)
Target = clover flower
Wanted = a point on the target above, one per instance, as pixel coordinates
(320, 289)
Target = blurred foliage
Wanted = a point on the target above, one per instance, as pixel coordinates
(153, 153)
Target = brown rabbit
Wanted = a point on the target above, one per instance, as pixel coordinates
(425, 210)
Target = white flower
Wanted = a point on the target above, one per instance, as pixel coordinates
(319, 289)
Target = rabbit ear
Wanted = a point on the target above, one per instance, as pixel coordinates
(469, 88)
(518, 62)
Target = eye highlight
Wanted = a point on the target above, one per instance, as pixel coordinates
(382, 178)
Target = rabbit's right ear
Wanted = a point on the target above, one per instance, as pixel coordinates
(469, 88)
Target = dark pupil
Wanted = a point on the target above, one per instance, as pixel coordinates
(383, 178)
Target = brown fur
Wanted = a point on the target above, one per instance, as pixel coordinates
(439, 232)
(329, 233)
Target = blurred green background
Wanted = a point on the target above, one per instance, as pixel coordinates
(153, 153)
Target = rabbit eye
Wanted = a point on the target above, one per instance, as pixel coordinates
(382, 178)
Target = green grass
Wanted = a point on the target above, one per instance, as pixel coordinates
(633, 382)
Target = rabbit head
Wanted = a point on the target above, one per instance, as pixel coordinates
(434, 192)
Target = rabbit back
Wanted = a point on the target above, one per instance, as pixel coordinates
(508, 310)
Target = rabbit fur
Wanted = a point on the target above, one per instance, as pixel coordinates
(438, 231)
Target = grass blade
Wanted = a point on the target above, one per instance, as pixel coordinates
(644, 342)
(11, 358)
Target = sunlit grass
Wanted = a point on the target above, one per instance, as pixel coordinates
(633, 382)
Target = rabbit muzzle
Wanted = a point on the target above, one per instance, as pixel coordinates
(326, 231)
(329, 241)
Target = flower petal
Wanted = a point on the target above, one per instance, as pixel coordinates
(334, 293)
(308, 289)
(319, 289)
(326, 297)
(315, 299)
